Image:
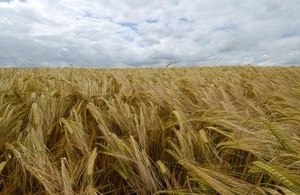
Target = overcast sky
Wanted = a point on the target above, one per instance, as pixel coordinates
(141, 33)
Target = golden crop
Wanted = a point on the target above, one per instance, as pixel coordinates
(211, 130)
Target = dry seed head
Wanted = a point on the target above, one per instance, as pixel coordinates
(200, 174)
(35, 114)
(65, 177)
(36, 141)
(203, 136)
(63, 166)
(272, 172)
(33, 95)
(91, 162)
(283, 139)
(189, 167)
(39, 177)
(18, 126)
(93, 109)
(179, 118)
(76, 116)
(135, 147)
(146, 159)
(54, 93)
(2, 165)
(8, 111)
(119, 142)
(16, 153)
(67, 125)
(162, 166)
(121, 171)
(286, 190)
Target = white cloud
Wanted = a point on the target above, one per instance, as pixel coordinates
(149, 33)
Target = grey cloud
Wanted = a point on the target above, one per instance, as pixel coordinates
(148, 42)
(145, 33)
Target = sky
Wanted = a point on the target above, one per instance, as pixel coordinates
(144, 33)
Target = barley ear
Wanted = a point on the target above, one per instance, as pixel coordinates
(276, 175)
(36, 115)
(203, 136)
(2, 165)
(91, 162)
(281, 137)
(162, 167)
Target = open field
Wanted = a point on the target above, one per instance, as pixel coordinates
(221, 130)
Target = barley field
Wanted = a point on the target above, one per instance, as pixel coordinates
(210, 130)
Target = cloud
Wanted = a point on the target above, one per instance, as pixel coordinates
(149, 33)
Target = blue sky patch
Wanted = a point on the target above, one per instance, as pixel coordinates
(130, 25)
